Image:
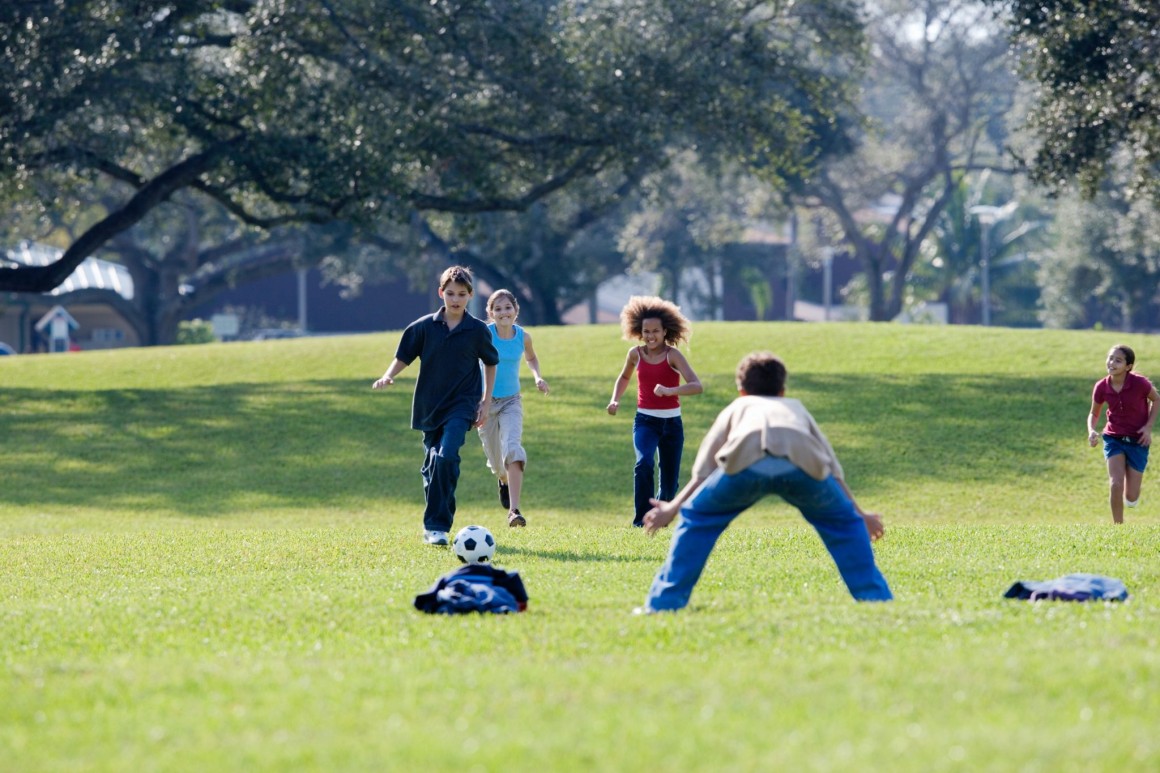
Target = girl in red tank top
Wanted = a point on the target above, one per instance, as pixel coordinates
(659, 367)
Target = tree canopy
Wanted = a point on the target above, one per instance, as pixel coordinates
(358, 110)
(936, 96)
(1097, 64)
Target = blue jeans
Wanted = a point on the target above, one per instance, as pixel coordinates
(650, 435)
(441, 471)
(723, 497)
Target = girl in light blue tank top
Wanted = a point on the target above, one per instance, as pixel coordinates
(502, 434)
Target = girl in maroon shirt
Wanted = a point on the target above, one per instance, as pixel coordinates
(657, 429)
(1132, 404)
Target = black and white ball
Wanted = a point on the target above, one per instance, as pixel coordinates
(474, 545)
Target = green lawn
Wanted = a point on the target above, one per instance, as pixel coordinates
(208, 556)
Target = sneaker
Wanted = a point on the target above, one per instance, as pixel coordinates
(435, 537)
(1130, 503)
(515, 518)
(504, 497)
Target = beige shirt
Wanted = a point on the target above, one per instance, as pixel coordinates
(753, 426)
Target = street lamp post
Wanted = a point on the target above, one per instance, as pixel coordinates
(988, 216)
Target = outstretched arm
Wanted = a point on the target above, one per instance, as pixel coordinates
(663, 513)
(873, 521)
(388, 378)
(622, 380)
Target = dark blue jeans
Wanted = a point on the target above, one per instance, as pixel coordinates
(651, 435)
(441, 471)
(721, 498)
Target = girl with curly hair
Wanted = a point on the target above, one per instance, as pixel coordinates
(659, 367)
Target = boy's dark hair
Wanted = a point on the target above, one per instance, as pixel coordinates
(642, 307)
(1129, 355)
(761, 373)
(460, 275)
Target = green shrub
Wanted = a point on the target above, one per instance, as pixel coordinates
(195, 331)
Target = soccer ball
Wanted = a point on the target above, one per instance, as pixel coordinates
(474, 545)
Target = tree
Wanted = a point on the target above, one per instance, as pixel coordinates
(362, 110)
(936, 93)
(1105, 266)
(689, 215)
(949, 265)
(1096, 63)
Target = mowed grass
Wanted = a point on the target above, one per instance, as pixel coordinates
(208, 556)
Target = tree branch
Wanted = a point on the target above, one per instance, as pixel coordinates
(41, 279)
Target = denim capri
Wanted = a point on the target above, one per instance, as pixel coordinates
(1136, 454)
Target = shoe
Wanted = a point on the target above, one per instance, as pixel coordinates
(504, 497)
(435, 537)
(515, 518)
(1130, 503)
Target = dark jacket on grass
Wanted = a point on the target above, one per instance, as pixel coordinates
(475, 588)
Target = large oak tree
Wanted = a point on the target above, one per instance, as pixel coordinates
(359, 110)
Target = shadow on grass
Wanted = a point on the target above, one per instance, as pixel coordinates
(216, 450)
(568, 556)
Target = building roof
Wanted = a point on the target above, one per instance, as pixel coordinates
(91, 274)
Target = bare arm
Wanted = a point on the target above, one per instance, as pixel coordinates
(388, 378)
(622, 380)
(1146, 430)
(1094, 417)
(692, 385)
(488, 388)
(873, 521)
(534, 363)
(663, 513)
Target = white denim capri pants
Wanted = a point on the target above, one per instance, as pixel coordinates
(503, 433)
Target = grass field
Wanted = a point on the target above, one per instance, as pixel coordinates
(208, 556)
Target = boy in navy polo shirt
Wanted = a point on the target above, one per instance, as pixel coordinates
(450, 395)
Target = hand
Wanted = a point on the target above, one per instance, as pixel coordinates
(663, 391)
(385, 381)
(612, 408)
(481, 415)
(1093, 438)
(542, 385)
(661, 515)
(1146, 436)
(874, 525)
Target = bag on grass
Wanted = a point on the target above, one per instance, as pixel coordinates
(1071, 587)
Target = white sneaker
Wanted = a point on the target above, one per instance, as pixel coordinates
(435, 537)
(1130, 503)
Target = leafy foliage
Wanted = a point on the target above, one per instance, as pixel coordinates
(362, 110)
(1105, 267)
(1097, 64)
